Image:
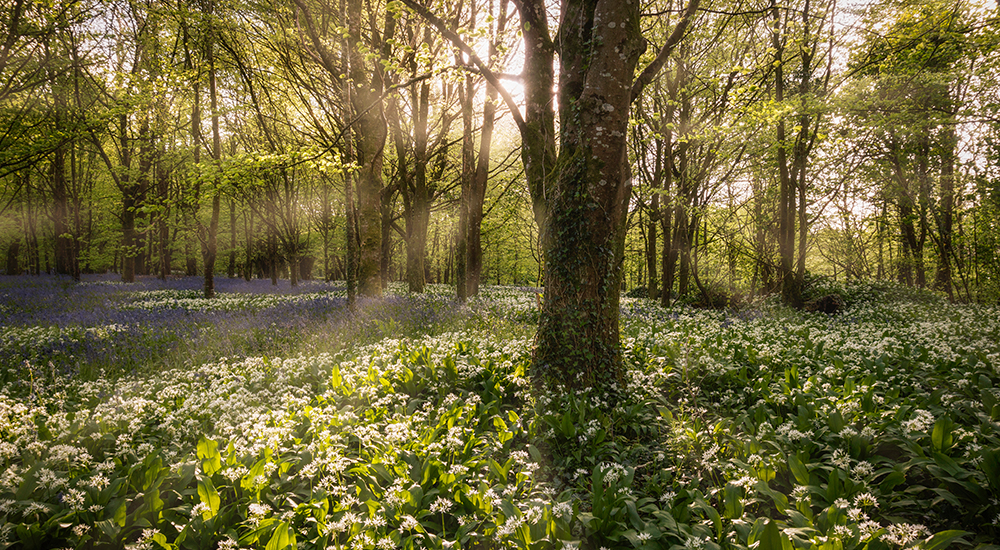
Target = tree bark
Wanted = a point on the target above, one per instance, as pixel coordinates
(369, 144)
(946, 213)
(578, 336)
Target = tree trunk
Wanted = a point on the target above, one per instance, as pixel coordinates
(368, 148)
(538, 136)
(786, 188)
(600, 42)
(946, 214)
(130, 201)
(668, 256)
(248, 263)
(413, 184)
(578, 337)
(231, 270)
(13, 258)
(163, 228)
(468, 174)
(651, 245)
(477, 192)
(210, 243)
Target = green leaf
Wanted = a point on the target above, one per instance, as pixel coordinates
(281, 538)
(161, 540)
(892, 480)
(941, 436)
(798, 470)
(335, 378)
(110, 528)
(991, 467)
(248, 481)
(835, 421)
(208, 453)
(119, 512)
(942, 539)
(208, 495)
(734, 505)
(773, 539)
(834, 488)
(567, 427)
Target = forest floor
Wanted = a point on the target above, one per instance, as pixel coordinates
(144, 416)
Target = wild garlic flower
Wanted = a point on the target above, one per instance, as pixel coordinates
(862, 469)
(441, 505)
(256, 512)
(903, 534)
(841, 459)
(74, 498)
(694, 543)
(408, 523)
(865, 499)
(868, 529)
(562, 509)
(857, 514)
(509, 526)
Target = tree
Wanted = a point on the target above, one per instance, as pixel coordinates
(797, 35)
(587, 188)
(367, 77)
(914, 80)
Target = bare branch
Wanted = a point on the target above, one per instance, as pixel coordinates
(467, 50)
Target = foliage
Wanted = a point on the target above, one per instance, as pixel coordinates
(765, 428)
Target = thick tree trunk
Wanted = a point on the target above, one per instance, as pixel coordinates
(578, 340)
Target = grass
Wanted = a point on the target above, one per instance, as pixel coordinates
(143, 416)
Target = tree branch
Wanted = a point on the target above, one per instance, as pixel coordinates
(486, 72)
(654, 67)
